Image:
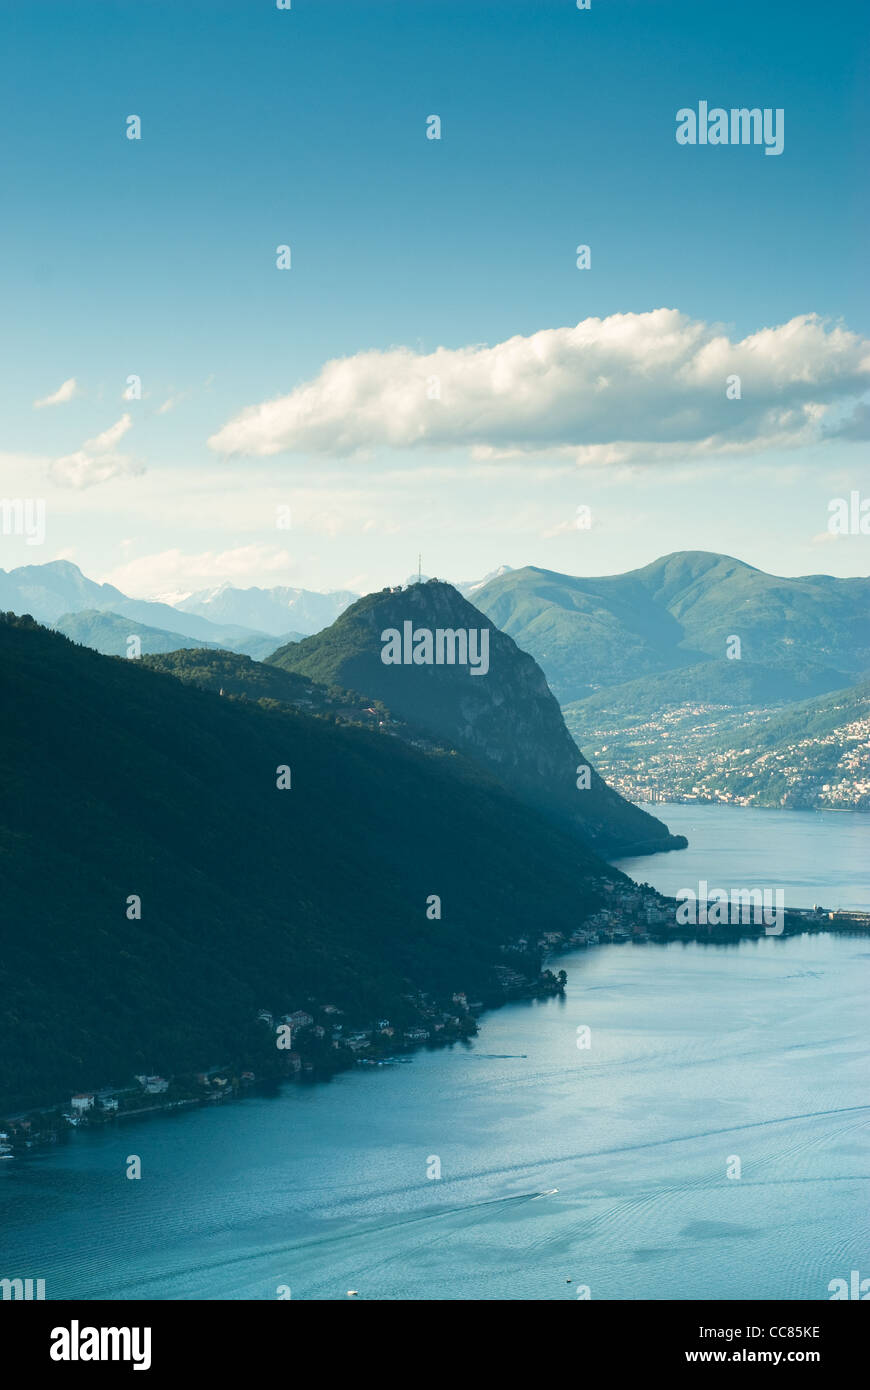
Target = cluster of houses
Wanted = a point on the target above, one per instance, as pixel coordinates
(629, 914)
(85, 1101)
(298, 1032)
(672, 760)
(85, 1104)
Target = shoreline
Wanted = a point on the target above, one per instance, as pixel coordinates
(56, 1123)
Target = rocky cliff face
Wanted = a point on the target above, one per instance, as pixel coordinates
(502, 714)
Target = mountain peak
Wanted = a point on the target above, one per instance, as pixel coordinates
(701, 561)
(276, 611)
(398, 820)
(592, 632)
(444, 668)
(63, 568)
(470, 586)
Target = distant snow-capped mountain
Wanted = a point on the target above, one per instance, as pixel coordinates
(470, 586)
(57, 589)
(269, 610)
(173, 597)
(244, 620)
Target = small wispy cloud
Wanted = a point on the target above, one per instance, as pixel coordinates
(172, 401)
(97, 460)
(566, 528)
(63, 394)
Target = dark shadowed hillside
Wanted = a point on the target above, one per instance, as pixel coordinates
(119, 780)
(506, 719)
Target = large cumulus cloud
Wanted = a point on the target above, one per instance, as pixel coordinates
(626, 386)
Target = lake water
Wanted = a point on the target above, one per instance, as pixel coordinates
(814, 856)
(702, 1057)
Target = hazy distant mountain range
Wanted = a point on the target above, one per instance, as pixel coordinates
(252, 621)
(110, 633)
(49, 592)
(809, 634)
(634, 659)
(275, 611)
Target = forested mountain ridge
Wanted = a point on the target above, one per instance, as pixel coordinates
(119, 780)
(591, 632)
(110, 633)
(504, 718)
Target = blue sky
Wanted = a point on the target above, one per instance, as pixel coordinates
(307, 127)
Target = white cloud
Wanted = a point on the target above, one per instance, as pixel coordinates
(97, 460)
(174, 571)
(63, 394)
(648, 386)
(172, 401)
(567, 528)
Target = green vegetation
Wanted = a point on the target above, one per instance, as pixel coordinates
(121, 780)
(108, 633)
(793, 754)
(811, 753)
(238, 677)
(507, 720)
(733, 684)
(677, 612)
(815, 719)
(233, 674)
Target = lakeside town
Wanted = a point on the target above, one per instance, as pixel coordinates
(320, 1040)
(678, 756)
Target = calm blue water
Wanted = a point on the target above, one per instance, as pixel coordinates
(700, 1055)
(814, 856)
